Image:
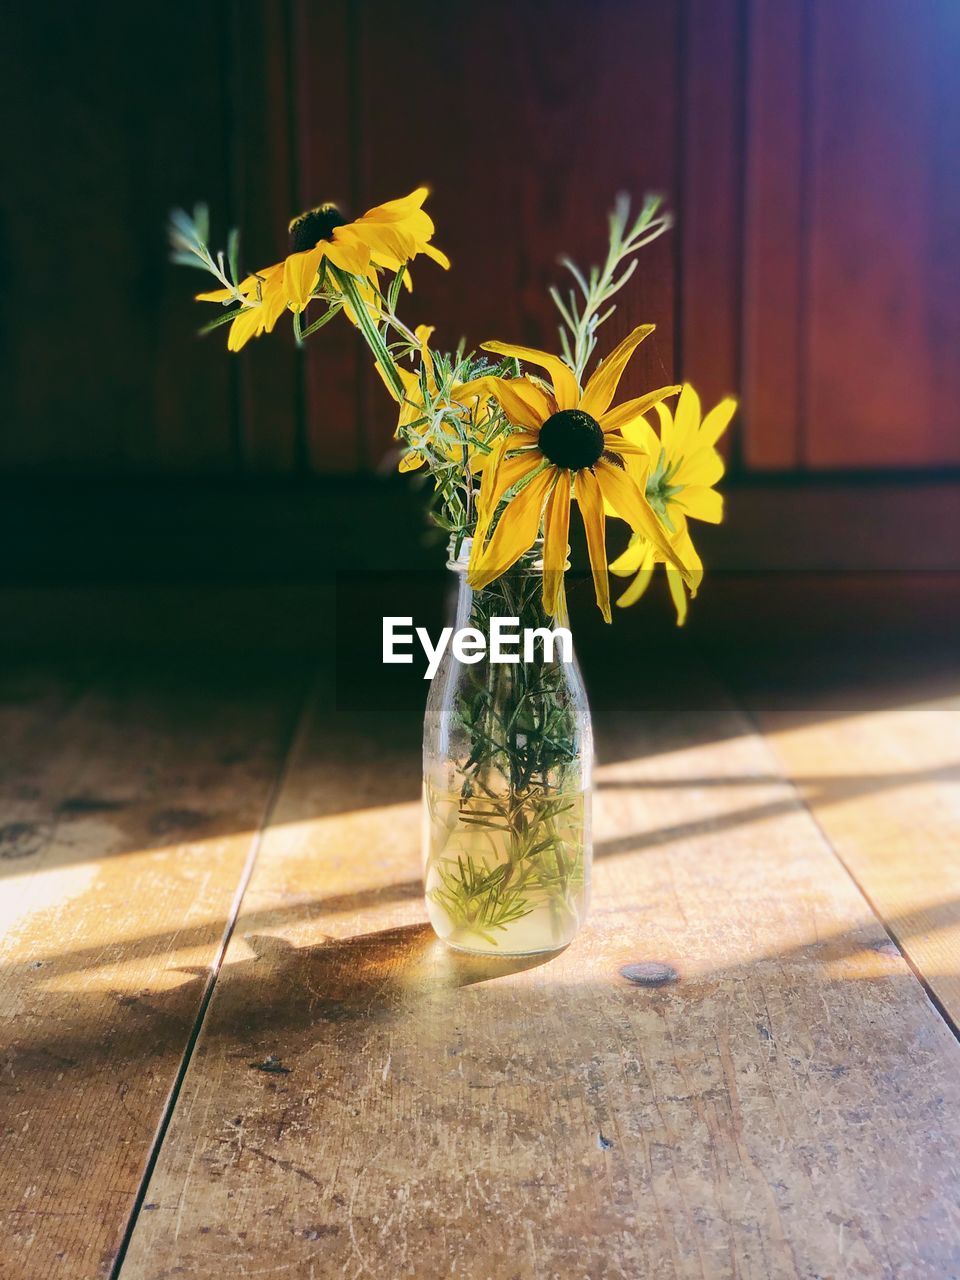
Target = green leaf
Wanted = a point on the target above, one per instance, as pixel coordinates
(220, 320)
(201, 222)
(318, 324)
(233, 254)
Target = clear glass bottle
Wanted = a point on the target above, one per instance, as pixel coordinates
(507, 761)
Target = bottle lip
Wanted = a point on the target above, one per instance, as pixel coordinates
(530, 562)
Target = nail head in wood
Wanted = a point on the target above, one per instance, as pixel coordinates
(649, 973)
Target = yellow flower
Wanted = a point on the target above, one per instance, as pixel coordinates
(684, 465)
(565, 440)
(385, 237)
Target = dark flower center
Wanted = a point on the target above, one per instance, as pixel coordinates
(571, 439)
(310, 228)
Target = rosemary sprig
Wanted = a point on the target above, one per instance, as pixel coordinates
(189, 234)
(582, 315)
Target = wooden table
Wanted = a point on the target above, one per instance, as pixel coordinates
(232, 1047)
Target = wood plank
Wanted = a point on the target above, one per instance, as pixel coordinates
(326, 112)
(128, 120)
(541, 121)
(264, 199)
(884, 266)
(130, 806)
(882, 779)
(362, 1101)
(711, 215)
(774, 236)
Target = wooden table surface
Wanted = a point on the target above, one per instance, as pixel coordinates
(231, 1045)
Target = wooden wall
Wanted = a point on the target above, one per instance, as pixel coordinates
(851, 304)
(808, 147)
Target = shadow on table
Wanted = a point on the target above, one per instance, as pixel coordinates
(283, 991)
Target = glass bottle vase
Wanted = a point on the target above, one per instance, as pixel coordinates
(507, 760)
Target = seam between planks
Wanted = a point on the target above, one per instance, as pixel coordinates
(931, 995)
(301, 721)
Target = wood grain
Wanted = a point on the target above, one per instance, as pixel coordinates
(773, 276)
(711, 212)
(364, 1102)
(111, 120)
(129, 809)
(882, 778)
(259, 70)
(328, 145)
(883, 277)
(535, 118)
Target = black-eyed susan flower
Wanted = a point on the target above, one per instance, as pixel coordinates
(566, 444)
(678, 480)
(385, 237)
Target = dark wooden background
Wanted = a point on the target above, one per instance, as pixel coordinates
(809, 148)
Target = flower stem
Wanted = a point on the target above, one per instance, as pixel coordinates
(368, 328)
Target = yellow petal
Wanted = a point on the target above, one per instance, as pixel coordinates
(632, 557)
(411, 461)
(524, 403)
(629, 503)
(395, 232)
(347, 252)
(602, 386)
(640, 583)
(491, 469)
(556, 530)
(703, 467)
(565, 389)
(423, 334)
(245, 327)
(249, 286)
(666, 422)
(717, 421)
(639, 432)
(587, 489)
(274, 299)
(626, 413)
(437, 255)
(687, 552)
(678, 595)
(389, 246)
(510, 471)
(636, 462)
(516, 532)
(497, 481)
(678, 438)
(701, 503)
(615, 443)
(215, 295)
(300, 275)
(399, 208)
(411, 383)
